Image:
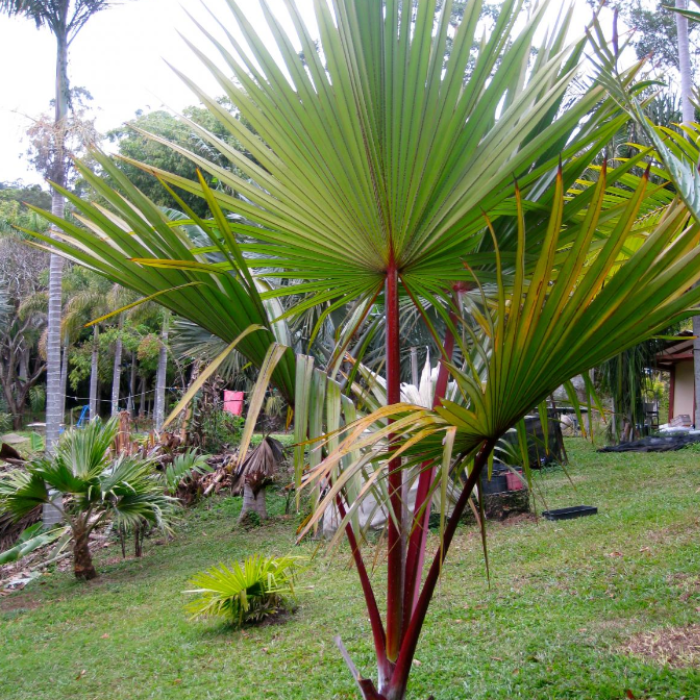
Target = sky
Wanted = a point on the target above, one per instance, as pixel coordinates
(120, 57)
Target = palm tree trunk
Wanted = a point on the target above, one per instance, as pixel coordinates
(54, 406)
(64, 378)
(94, 412)
(131, 402)
(138, 541)
(83, 567)
(117, 373)
(688, 112)
(159, 407)
(142, 400)
(54, 399)
(687, 108)
(253, 503)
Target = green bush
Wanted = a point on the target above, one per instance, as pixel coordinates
(220, 430)
(247, 591)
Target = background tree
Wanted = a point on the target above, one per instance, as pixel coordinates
(64, 19)
(135, 146)
(23, 282)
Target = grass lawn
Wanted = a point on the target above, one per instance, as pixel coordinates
(565, 600)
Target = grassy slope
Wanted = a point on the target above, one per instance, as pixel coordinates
(551, 625)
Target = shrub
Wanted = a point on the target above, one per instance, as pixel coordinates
(247, 591)
(221, 430)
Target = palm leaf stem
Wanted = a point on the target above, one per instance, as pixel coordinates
(396, 541)
(404, 661)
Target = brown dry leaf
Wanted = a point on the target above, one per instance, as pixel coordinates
(629, 694)
(80, 675)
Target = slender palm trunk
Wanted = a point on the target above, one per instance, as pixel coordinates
(159, 406)
(131, 402)
(54, 406)
(142, 399)
(117, 373)
(688, 112)
(64, 377)
(687, 108)
(54, 399)
(94, 368)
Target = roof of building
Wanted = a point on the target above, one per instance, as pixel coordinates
(677, 350)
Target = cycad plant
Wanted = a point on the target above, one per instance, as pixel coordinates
(380, 169)
(98, 487)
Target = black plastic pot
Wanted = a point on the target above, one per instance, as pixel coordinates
(570, 513)
(496, 484)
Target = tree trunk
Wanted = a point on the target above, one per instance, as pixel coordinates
(54, 412)
(142, 399)
(138, 541)
(83, 567)
(94, 368)
(131, 402)
(688, 112)
(64, 378)
(159, 407)
(253, 503)
(687, 108)
(117, 372)
(54, 400)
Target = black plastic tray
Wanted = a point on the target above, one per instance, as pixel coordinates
(570, 513)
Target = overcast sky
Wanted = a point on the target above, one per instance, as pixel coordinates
(119, 57)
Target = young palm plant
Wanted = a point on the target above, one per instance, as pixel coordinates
(580, 306)
(98, 488)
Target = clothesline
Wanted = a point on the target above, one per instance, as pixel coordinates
(122, 399)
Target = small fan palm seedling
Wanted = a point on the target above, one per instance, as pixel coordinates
(245, 592)
(97, 488)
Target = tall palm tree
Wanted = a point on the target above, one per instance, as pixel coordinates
(375, 160)
(64, 19)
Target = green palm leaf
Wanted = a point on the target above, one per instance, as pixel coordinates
(543, 330)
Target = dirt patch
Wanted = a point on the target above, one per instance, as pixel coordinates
(519, 519)
(677, 647)
(15, 601)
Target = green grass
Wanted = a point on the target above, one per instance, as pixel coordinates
(551, 625)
